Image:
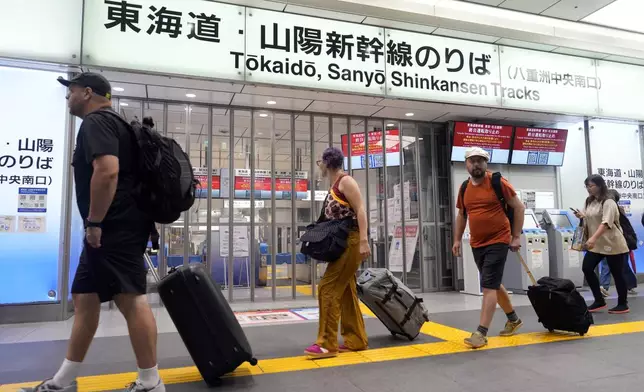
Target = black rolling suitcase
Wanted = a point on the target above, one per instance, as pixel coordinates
(558, 304)
(206, 323)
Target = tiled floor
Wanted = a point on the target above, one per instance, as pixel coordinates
(113, 324)
(542, 362)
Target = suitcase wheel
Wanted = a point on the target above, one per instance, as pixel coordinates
(581, 334)
(253, 362)
(551, 330)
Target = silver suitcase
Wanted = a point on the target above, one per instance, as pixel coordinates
(392, 302)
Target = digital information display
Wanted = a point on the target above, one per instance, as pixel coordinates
(539, 146)
(359, 155)
(495, 139)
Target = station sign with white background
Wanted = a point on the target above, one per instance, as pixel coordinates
(219, 41)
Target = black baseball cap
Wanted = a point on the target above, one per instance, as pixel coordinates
(98, 83)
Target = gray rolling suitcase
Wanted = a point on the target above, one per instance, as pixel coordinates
(392, 302)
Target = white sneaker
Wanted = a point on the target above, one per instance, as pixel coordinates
(49, 386)
(632, 292)
(605, 292)
(137, 387)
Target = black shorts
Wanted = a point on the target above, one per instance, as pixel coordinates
(117, 267)
(490, 261)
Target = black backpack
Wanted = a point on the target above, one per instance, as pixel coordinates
(498, 189)
(167, 183)
(628, 231)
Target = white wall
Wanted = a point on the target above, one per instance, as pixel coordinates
(541, 178)
(574, 170)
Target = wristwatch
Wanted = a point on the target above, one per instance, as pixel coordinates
(93, 224)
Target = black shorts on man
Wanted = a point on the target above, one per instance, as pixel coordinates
(490, 261)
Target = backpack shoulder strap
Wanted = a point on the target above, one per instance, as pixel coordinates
(462, 194)
(498, 189)
(111, 113)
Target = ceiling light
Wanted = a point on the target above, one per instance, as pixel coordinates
(263, 115)
(391, 125)
(118, 89)
(409, 114)
(271, 102)
(259, 133)
(124, 104)
(190, 95)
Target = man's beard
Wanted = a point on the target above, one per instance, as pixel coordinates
(478, 173)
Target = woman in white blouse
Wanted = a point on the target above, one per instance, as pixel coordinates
(605, 239)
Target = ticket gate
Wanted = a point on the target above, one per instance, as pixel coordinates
(471, 275)
(534, 249)
(565, 263)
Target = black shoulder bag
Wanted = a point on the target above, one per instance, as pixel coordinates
(326, 240)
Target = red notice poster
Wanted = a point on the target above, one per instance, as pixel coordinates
(496, 139)
(539, 146)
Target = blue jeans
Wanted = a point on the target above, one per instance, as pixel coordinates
(604, 275)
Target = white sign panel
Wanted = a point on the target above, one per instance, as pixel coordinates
(621, 93)
(615, 148)
(301, 51)
(550, 82)
(187, 37)
(428, 67)
(41, 30)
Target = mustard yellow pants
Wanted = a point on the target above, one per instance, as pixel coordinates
(338, 300)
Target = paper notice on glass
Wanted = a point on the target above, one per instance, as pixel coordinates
(545, 200)
(7, 224)
(32, 224)
(574, 258)
(537, 259)
(529, 199)
(396, 254)
(241, 240)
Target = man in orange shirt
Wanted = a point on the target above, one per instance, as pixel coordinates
(491, 237)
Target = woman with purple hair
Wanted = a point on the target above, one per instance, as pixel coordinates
(338, 297)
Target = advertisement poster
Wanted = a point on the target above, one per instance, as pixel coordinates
(201, 174)
(32, 167)
(495, 139)
(375, 145)
(539, 146)
(396, 249)
(263, 184)
(615, 149)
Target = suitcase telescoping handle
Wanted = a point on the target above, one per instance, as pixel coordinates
(151, 268)
(527, 269)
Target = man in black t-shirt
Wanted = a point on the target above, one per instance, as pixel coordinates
(111, 266)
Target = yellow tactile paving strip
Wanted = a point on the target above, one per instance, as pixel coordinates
(453, 344)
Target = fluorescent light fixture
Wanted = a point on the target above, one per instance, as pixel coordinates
(271, 102)
(190, 95)
(391, 125)
(124, 104)
(118, 89)
(409, 114)
(263, 115)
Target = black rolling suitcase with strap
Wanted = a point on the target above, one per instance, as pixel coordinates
(558, 304)
(206, 323)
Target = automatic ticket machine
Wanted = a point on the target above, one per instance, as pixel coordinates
(565, 263)
(534, 249)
